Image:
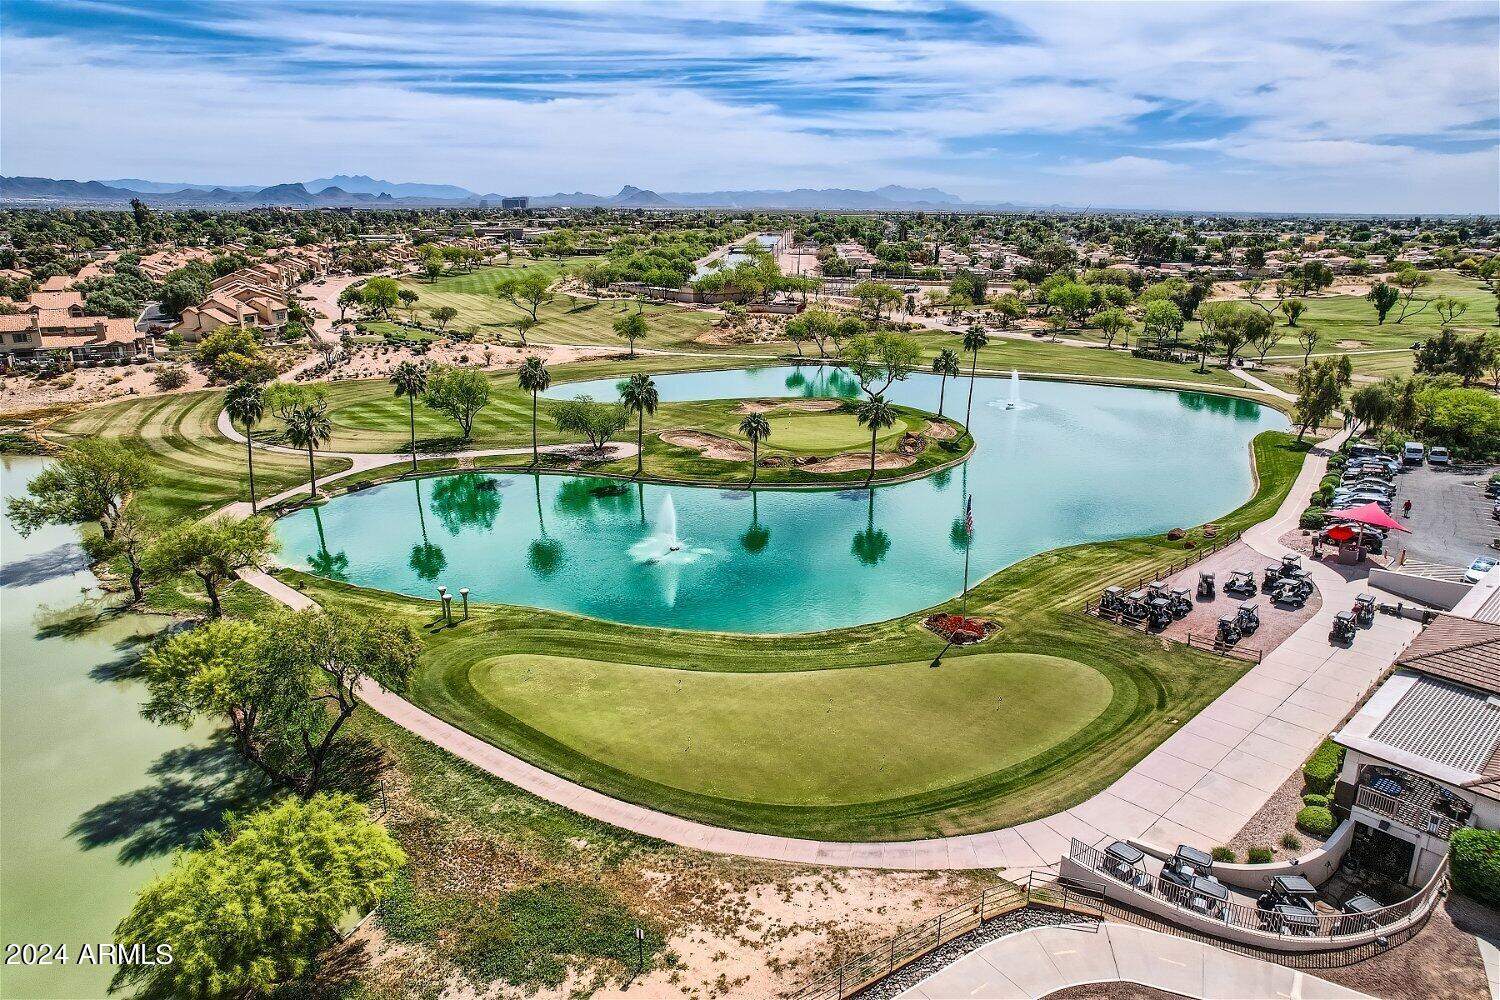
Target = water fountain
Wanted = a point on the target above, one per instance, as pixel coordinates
(663, 548)
(1015, 390)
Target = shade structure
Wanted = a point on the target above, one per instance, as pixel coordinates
(1372, 515)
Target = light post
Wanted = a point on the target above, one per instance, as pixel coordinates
(464, 593)
(640, 951)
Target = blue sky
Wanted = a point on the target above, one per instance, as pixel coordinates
(1265, 106)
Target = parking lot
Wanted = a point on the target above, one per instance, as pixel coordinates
(1450, 514)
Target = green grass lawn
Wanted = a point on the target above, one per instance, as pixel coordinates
(199, 470)
(1013, 774)
(1042, 356)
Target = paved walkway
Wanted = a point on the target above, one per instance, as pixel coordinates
(1198, 787)
(1041, 961)
(1264, 386)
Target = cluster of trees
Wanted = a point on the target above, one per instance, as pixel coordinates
(1436, 408)
(234, 354)
(1470, 358)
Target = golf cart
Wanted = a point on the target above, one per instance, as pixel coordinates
(1206, 587)
(1241, 581)
(1248, 617)
(1361, 906)
(1124, 862)
(1290, 592)
(1229, 630)
(1159, 612)
(1364, 610)
(1112, 600)
(1133, 607)
(1291, 904)
(1343, 628)
(1271, 577)
(1290, 563)
(1182, 601)
(1187, 864)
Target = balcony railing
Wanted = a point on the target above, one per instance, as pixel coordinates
(1410, 814)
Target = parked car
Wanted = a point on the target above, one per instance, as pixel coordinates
(1438, 456)
(1413, 453)
(1362, 451)
(1478, 568)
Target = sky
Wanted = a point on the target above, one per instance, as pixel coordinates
(1336, 107)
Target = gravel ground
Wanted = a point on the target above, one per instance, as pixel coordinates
(1010, 923)
(1275, 819)
(1440, 963)
(1111, 991)
(1276, 623)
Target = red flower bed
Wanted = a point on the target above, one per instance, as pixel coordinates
(960, 629)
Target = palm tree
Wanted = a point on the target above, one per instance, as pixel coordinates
(757, 428)
(877, 414)
(945, 364)
(639, 397)
(410, 380)
(533, 378)
(246, 405)
(974, 339)
(307, 426)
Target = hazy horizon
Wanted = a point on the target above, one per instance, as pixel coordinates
(1339, 108)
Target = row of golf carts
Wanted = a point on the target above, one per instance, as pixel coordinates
(1289, 906)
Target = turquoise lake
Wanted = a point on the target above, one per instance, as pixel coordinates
(1073, 463)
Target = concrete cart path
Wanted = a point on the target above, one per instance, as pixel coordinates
(1198, 787)
(1262, 385)
(1041, 961)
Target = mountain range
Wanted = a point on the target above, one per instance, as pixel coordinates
(359, 190)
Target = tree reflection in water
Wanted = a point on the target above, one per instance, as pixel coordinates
(334, 565)
(756, 538)
(468, 500)
(427, 560)
(544, 555)
(871, 545)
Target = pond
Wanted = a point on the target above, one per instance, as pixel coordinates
(1071, 463)
(93, 798)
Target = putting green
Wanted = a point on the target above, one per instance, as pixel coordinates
(809, 738)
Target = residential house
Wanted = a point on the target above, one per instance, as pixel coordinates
(56, 326)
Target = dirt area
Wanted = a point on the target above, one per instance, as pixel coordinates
(1298, 542)
(800, 405)
(753, 331)
(1276, 622)
(1111, 991)
(1442, 962)
(1347, 285)
(378, 360)
(1274, 820)
(708, 445)
(25, 393)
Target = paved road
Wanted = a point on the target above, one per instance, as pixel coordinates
(1450, 515)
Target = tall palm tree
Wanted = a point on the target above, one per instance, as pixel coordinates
(877, 414)
(307, 426)
(410, 380)
(246, 405)
(757, 428)
(534, 378)
(946, 365)
(974, 339)
(639, 396)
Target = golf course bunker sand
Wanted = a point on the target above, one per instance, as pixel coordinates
(804, 405)
(855, 460)
(807, 737)
(940, 431)
(708, 445)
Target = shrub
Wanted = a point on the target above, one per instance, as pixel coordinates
(1291, 842)
(1322, 768)
(1224, 855)
(169, 378)
(1475, 858)
(1315, 800)
(1311, 518)
(1259, 856)
(1316, 820)
(1338, 460)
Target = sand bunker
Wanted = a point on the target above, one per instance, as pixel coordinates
(801, 405)
(708, 445)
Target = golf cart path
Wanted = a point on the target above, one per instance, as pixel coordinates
(1039, 962)
(1263, 386)
(1199, 787)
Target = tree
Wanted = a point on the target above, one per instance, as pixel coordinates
(974, 339)
(135, 533)
(594, 420)
(944, 365)
(817, 325)
(409, 299)
(877, 414)
(524, 325)
(1450, 309)
(1308, 337)
(1163, 320)
(534, 378)
(1312, 276)
(1320, 391)
(91, 480)
(1265, 336)
(757, 428)
(875, 297)
(459, 393)
(380, 295)
(526, 290)
(443, 315)
(350, 298)
(1371, 406)
(433, 263)
(631, 326)
(1008, 309)
(307, 426)
(232, 354)
(639, 397)
(252, 907)
(1226, 325)
(1408, 281)
(880, 359)
(245, 404)
(212, 550)
(1383, 297)
(409, 379)
(1293, 310)
(285, 684)
(1111, 322)
(1072, 299)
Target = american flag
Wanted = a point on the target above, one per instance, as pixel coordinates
(969, 515)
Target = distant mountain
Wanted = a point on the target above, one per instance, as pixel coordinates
(164, 187)
(364, 184)
(886, 198)
(629, 197)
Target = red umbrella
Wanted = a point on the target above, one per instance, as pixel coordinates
(1340, 533)
(1372, 515)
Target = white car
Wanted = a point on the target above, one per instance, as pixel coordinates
(1412, 453)
(1478, 568)
(1438, 456)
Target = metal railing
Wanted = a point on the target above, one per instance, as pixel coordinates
(1326, 928)
(1411, 814)
(1039, 889)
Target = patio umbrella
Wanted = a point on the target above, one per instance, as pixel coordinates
(1340, 533)
(1372, 515)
